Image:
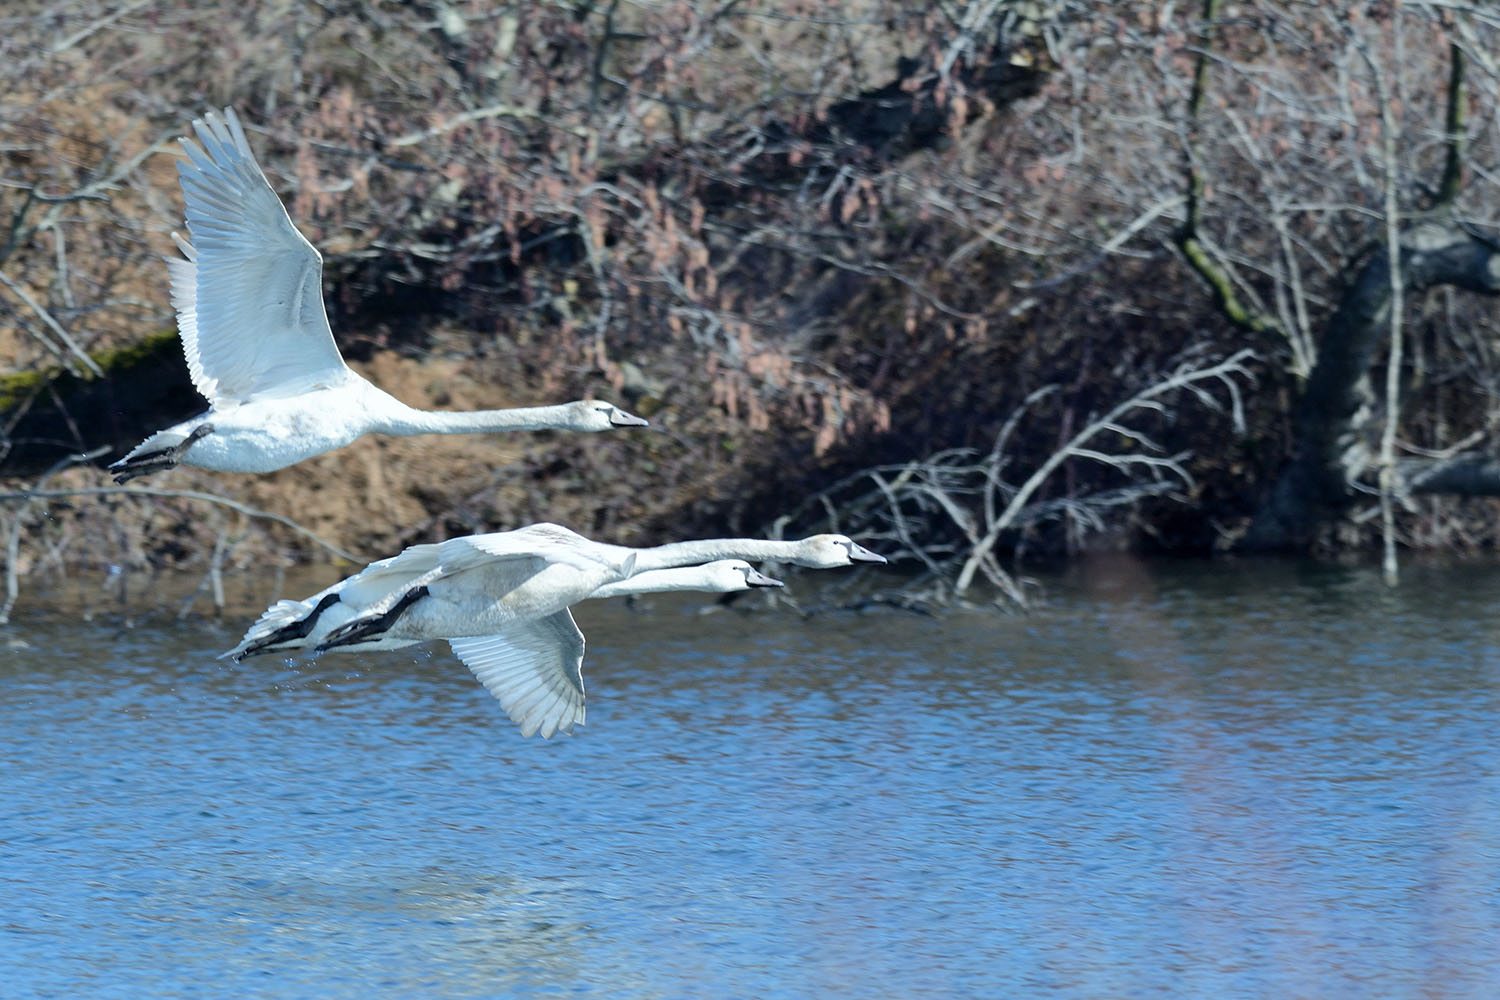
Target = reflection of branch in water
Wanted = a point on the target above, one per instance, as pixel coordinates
(13, 543)
(25, 496)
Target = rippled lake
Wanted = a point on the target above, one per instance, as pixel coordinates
(1229, 780)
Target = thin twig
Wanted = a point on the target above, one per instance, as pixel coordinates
(13, 543)
(151, 491)
(57, 328)
(1389, 134)
(469, 117)
(98, 25)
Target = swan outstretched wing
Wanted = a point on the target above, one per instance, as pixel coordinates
(249, 291)
(374, 584)
(535, 669)
(550, 543)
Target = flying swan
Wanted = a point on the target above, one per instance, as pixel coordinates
(535, 666)
(471, 585)
(502, 600)
(249, 299)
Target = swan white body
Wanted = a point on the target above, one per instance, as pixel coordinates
(489, 598)
(249, 299)
(535, 666)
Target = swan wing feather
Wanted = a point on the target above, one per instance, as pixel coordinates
(182, 274)
(535, 669)
(376, 583)
(249, 293)
(548, 542)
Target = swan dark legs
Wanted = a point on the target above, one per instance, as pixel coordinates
(127, 469)
(362, 628)
(296, 630)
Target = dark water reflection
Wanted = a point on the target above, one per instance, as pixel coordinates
(1259, 781)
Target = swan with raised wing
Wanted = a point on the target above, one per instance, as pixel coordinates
(373, 608)
(248, 292)
(534, 665)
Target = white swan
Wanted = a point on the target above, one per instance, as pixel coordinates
(535, 666)
(530, 571)
(479, 575)
(249, 301)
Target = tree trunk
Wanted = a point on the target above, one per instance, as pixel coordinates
(1333, 416)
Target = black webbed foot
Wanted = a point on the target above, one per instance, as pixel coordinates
(363, 628)
(296, 630)
(127, 469)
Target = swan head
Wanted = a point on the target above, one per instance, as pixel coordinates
(729, 575)
(828, 551)
(597, 415)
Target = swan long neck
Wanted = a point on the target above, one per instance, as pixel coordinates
(657, 581)
(408, 420)
(709, 549)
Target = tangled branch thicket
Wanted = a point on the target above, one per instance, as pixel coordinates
(950, 510)
(807, 241)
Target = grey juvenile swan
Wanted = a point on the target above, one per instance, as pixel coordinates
(375, 608)
(534, 664)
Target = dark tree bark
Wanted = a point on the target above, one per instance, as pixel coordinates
(1333, 427)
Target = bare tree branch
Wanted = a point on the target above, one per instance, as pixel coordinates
(146, 491)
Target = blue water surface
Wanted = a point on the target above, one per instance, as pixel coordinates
(1263, 781)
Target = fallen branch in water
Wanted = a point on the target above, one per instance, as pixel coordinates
(1188, 378)
(949, 511)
